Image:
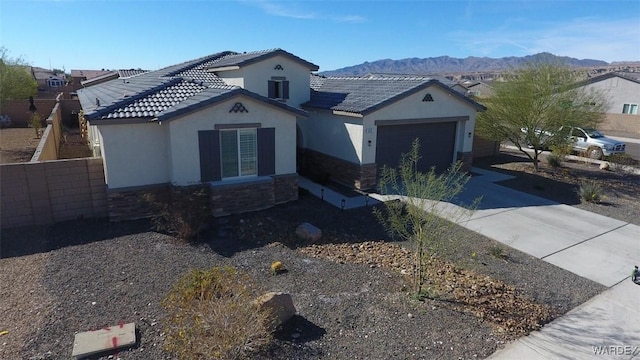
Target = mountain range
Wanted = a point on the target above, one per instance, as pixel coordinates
(449, 65)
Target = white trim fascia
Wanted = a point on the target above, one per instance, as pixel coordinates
(346, 113)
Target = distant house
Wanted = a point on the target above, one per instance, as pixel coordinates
(478, 89)
(47, 79)
(247, 123)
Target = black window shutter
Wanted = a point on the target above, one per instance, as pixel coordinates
(266, 151)
(272, 89)
(285, 89)
(209, 145)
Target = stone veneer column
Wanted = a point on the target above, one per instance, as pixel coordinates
(467, 159)
(285, 188)
(322, 167)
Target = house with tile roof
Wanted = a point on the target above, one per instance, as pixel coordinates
(248, 123)
(84, 78)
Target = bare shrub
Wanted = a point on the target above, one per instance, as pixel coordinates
(211, 315)
(184, 213)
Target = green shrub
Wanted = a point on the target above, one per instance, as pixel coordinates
(184, 213)
(561, 150)
(211, 315)
(498, 251)
(554, 160)
(590, 191)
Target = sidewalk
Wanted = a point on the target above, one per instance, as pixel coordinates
(593, 246)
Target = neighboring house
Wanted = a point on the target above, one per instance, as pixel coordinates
(47, 79)
(84, 78)
(622, 90)
(234, 121)
(78, 76)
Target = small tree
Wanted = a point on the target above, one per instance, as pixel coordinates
(421, 215)
(534, 102)
(35, 121)
(16, 80)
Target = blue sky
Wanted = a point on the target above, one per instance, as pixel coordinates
(93, 34)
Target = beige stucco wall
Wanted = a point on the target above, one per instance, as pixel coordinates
(254, 78)
(618, 91)
(183, 134)
(135, 154)
(339, 136)
(444, 105)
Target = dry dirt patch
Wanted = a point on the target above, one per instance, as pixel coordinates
(17, 145)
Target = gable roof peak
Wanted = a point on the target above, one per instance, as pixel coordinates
(248, 58)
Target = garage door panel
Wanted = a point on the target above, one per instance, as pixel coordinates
(437, 142)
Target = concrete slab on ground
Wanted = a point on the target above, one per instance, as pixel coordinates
(613, 251)
(605, 327)
(110, 338)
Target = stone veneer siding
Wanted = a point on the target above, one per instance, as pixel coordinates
(226, 199)
(322, 167)
(132, 203)
(467, 159)
(258, 194)
(285, 188)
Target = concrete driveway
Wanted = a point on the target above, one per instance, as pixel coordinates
(590, 245)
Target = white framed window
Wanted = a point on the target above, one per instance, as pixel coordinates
(238, 152)
(631, 109)
(55, 83)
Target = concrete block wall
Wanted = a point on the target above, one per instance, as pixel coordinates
(483, 147)
(52, 191)
(49, 146)
(19, 112)
(621, 123)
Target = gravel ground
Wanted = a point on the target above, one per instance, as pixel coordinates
(82, 275)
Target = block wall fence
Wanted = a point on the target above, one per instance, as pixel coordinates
(51, 191)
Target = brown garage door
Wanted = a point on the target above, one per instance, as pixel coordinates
(437, 142)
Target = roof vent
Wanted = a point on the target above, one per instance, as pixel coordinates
(97, 102)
